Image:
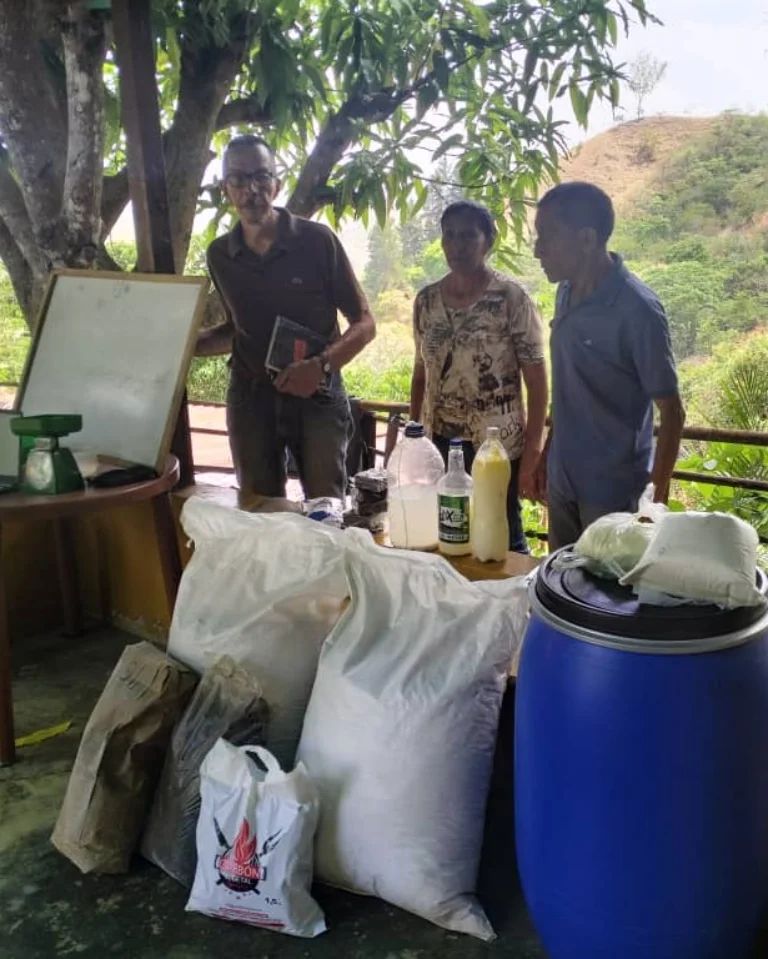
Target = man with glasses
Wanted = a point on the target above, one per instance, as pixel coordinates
(274, 264)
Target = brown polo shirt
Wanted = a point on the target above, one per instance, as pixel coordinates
(305, 276)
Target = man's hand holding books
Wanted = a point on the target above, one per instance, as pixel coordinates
(296, 359)
(302, 379)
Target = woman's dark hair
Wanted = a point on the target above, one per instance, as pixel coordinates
(479, 213)
(581, 205)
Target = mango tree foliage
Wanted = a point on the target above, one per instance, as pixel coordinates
(360, 99)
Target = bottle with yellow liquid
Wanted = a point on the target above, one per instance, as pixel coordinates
(491, 472)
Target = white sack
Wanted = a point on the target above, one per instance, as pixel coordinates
(513, 592)
(400, 732)
(266, 590)
(710, 557)
(254, 842)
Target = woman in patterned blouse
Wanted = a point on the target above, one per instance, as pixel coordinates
(478, 339)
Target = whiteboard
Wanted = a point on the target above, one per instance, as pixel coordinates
(116, 348)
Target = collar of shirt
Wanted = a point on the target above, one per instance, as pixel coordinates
(286, 237)
(605, 294)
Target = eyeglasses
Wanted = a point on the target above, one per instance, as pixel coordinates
(239, 180)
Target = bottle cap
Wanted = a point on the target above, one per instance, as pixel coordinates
(457, 443)
(414, 429)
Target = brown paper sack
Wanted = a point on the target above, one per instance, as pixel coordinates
(120, 758)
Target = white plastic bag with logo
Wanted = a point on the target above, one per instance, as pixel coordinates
(254, 842)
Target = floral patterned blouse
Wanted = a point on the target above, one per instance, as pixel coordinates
(472, 358)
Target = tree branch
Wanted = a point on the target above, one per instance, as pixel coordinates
(207, 74)
(114, 197)
(246, 110)
(338, 134)
(16, 220)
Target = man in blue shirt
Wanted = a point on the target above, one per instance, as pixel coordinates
(611, 363)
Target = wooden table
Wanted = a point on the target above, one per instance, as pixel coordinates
(62, 510)
(514, 564)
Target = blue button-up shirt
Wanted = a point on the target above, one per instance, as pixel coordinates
(611, 356)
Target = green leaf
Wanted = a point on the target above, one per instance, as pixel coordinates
(557, 76)
(579, 104)
(426, 97)
(447, 145)
(441, 70)
(531, 59)
(380, 205)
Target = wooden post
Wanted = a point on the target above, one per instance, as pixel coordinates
(146, 168)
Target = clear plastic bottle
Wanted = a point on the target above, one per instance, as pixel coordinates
(413, 472)
(491, 472)
(454, 493)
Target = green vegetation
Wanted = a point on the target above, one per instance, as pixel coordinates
(701, 238)
(14, 335)
(729, 390)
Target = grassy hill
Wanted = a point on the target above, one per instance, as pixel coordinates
(628, 160)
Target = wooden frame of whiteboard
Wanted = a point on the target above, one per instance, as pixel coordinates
(179, 387)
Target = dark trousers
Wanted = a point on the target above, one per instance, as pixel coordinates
(264, 424)
(569, 518)
(517, 540)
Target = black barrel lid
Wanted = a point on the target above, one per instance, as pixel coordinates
(602, 605)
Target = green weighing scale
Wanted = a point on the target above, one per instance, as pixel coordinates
(45, 467)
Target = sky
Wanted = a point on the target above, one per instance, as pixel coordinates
(717, 59)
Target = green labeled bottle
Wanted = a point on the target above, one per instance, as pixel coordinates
(454, 495)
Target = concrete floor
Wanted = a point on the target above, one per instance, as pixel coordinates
(48, 909)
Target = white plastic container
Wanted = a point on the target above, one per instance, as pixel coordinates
(491, 472)
(413, 472)
(454, 493)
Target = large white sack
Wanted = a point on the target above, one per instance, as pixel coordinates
(265, 590)
(400, 732)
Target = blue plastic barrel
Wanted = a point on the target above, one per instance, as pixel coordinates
(641, 773)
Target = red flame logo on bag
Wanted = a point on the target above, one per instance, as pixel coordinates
(239, 866)
(244, 848)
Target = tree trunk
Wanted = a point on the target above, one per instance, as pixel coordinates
(84, 44)
(33, 130)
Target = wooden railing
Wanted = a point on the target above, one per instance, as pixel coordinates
(380, 411)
